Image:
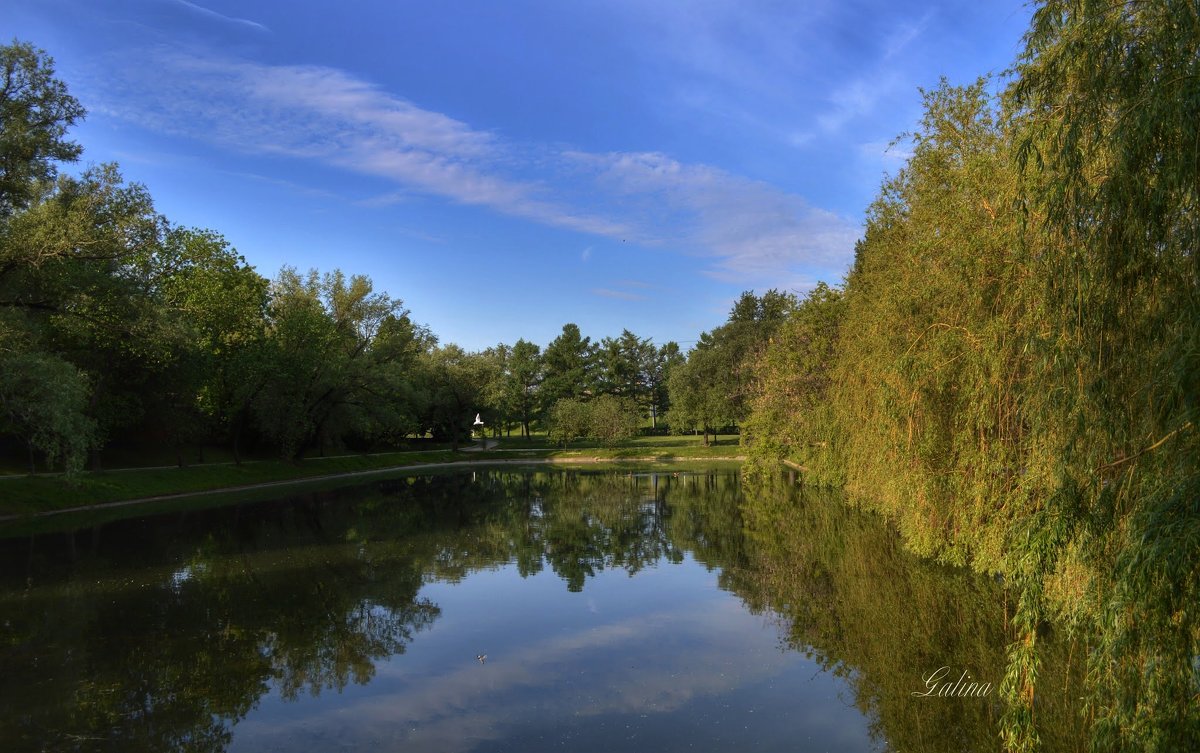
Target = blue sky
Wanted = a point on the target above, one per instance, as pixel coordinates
(507, 167)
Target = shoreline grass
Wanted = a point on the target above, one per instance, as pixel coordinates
(28, 496)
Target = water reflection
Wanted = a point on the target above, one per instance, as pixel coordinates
(902, 631)
(618, 611)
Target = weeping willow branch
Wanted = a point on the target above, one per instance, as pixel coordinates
(1141, 452)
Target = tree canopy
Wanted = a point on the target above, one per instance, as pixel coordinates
(35, 114)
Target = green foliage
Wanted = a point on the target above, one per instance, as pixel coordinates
(568, 367)
(69, 286)
(658, 379)
(622, 366)
(35, 113)
(699, 393)
(567, 421)
(933, 339)
(323, 375)
(1108, 102)
(43, 400)
(790, 409)
(523, 376)
(1016, 368)
(612, 419)
(712, 388)
(456, 382)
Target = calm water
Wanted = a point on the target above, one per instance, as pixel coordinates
(617, 612)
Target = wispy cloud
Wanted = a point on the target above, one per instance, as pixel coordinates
(751, 64)
(754, 233)
(220, 16)
(621, 294)
(289, 185)
(892, 154)
(904, 34)
(326, 115)
(456, 709)
(856, 98)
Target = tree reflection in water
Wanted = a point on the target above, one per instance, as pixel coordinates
(161, 633)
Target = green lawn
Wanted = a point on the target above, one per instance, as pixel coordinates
(538, 440)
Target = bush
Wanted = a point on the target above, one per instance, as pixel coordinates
(613, 419)
(568, 421)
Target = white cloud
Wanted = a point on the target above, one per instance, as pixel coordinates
(855, 99)
(321, 114)
(221, 17)
(456, 709)
(754, 232)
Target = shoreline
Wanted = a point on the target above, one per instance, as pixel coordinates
(588, 460)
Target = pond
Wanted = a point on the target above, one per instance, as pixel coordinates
(502, 610)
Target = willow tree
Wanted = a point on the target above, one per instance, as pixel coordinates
(1108, 99)
(790, 416)
(930, 354)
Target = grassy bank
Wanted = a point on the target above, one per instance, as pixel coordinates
(30, 495)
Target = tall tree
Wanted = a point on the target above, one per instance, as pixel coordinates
(497, 402)
(212, 308)
(35, 113)
(69, 286)
(399, 390)
(621, 365)
(524, 380)
(790, 413)
(713, 388)
(43, 400)
(613, 419)
(568, 367)
(1108, 98)
(324, 375)
(568, 420)
(456, 381)
(658, 376)
(701, 391)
